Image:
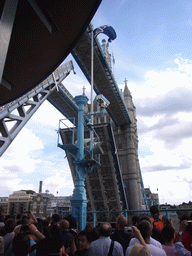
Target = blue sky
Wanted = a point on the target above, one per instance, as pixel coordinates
(153, 52)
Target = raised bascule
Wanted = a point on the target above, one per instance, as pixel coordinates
(115, 184)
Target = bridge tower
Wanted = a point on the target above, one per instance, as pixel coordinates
(127, 146)
(126, 138)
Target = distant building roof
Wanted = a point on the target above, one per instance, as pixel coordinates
(29, 191)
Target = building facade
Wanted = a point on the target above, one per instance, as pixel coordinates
(41, 204)
(152, 198)
(19, 202)
(4, 204)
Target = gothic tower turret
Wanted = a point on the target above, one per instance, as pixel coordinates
(132, 174)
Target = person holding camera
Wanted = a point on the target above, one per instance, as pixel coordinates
(145, 229)
(184, 233)
(122, 234)
(68, 237)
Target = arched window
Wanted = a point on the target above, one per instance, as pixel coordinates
(41, 206)
(35, 207)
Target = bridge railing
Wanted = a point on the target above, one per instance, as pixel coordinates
(129, 213)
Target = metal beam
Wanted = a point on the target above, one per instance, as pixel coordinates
(43, 15)
(6, 26)
(12, 123)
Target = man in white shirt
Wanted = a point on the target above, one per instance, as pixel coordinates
(152, 240)
(145, 229)
(101, 246)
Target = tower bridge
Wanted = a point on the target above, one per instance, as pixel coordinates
(117, 183)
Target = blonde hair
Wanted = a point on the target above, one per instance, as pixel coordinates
(139, 249)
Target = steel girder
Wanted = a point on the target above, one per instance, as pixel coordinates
(16, 114)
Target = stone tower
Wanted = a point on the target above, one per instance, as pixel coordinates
(127, 145)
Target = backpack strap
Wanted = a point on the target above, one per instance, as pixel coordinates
(33, 247)
(161, 217)
(111, 248)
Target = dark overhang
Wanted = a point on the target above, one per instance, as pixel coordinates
(44, 32)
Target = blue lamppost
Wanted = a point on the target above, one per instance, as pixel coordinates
(79, 199)
(83, 164)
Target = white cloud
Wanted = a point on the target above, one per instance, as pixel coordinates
(19, 157)
(158, 83)
(163, 102)
(170, 184)
(60, 183)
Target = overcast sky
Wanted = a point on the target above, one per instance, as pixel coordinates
(153, 52)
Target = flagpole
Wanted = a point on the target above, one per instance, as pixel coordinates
(92, 75)
(92, 60)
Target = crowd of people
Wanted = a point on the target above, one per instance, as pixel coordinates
(154, 235)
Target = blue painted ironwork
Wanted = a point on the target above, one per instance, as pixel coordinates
(83, 155)
(126, 213)
(83, 167)
(117, 167)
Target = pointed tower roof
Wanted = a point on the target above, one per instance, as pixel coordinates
(126, 90)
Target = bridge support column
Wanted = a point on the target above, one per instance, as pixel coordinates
(79, 198)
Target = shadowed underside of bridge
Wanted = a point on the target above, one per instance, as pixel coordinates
(35, 38)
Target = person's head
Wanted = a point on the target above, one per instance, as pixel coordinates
(184, 217)
(135, 219)
(147, 219)
(55, 218)
(154, 210)
(93, 234)
(48, 246)
(89, 227)
(145, 229)
(10, 225)
(64, 224)
(121, 222)
(105, 229)
(168, 233)
(139, 249)
(83, 240)
(19, 216)
(72, 222)
(24, 220)
(184, 221)
(21, 244)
